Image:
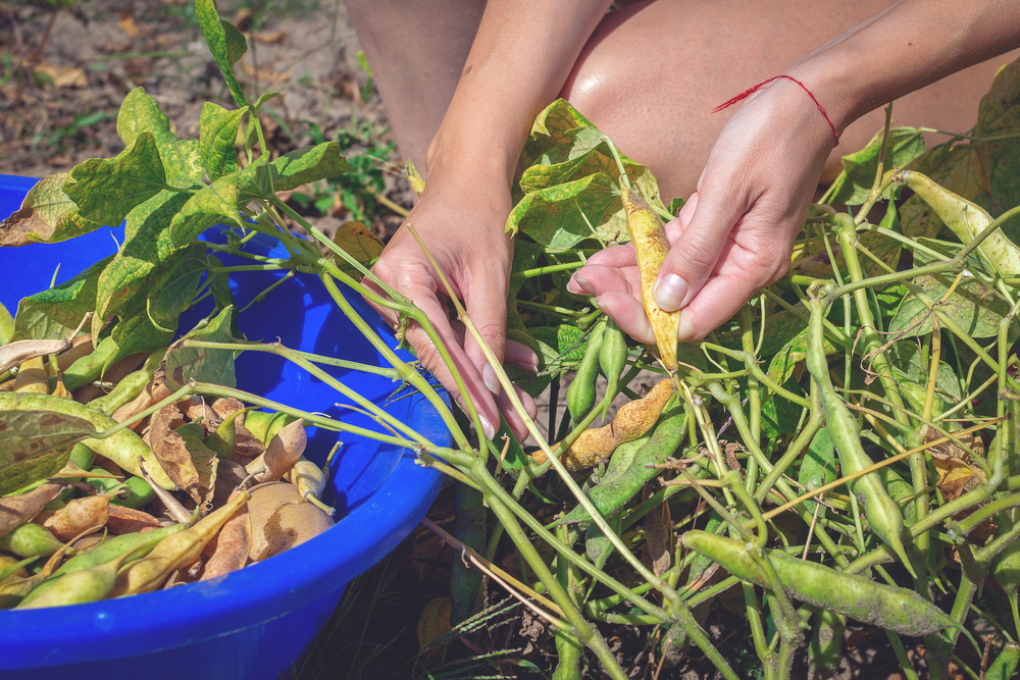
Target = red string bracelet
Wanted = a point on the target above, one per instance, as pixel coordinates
(750, 91)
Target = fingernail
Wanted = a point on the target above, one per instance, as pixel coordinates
(490, 379)
(487, 429)
(578, 285)
(530, 368)
(670, 292)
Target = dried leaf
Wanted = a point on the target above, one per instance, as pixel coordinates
(171, 450)
(433, 624)
(355, 239)
(658, 539)
(16, 510)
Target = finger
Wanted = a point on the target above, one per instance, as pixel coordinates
(520, 355)
(432, 360)
(615, 256)
(485, 301)
(599, 279)
(694, 254)
(628, 314)
(513, 418)
(718, 300)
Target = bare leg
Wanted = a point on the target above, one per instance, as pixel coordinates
(417, 49)
(650, 75)
(653, 71)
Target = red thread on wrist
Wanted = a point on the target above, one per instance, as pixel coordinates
(748, 92)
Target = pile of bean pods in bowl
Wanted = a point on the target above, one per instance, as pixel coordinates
(841, 458)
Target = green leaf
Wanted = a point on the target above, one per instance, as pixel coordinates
(290, 171)
(138, 334)
(140, 113)
(237, 44)
(106, 190)
(54, 313)
(204, 365)
(780, 416)
(526, 256)
(675, 205)
(175, 293)
(559, 134)
(819, 465)
(854, 184)
(999, 115)
(123, 285)
(47, 215)
(214, 203)
(219, 284)
(562, 216)
(784, 363)
(975, 307)
(222, 44)
(218, 133)
(571, 342)
(263, 98)
(905, 359)
(35, 445)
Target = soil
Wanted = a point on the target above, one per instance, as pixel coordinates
(59, 94)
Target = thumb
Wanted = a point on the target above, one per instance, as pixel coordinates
(695, 252)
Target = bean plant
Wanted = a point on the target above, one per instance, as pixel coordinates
(844, 448)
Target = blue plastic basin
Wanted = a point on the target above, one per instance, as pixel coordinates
(257, 622)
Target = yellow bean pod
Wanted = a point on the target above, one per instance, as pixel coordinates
(650, 245)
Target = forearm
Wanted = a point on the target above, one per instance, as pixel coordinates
(908, 46)
(519, 61)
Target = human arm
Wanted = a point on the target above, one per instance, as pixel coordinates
(520, 58)
(735, 235)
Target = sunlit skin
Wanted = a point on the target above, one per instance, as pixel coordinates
(462, 82)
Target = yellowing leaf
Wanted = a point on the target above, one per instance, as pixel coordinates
(433, 624)
(357, 241)
(46, 215)
(417, 183)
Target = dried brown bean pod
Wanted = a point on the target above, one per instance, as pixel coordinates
(632, 421)
(232, 546)
(283, 451)
(124, 520)
(77, 515)
(16, 353)
(16, 510)
(291, 525)
(266, 499)
(32, 377)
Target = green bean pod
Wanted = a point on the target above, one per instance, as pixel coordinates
(264, 425)
(124, 448)
(1006, 565)
(79, 587)
(884, 515)
(30, 540)
(139, 493)
(966, 220)
(136, 546)
(1005, 664)
(130, 385)
(581, 393)
(897, 609)
(175, 551)
(90, 367)
(612, 359)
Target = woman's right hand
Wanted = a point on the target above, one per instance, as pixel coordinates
(461, 221)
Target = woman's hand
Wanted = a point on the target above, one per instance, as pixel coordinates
(461, 223)
(735, 235)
